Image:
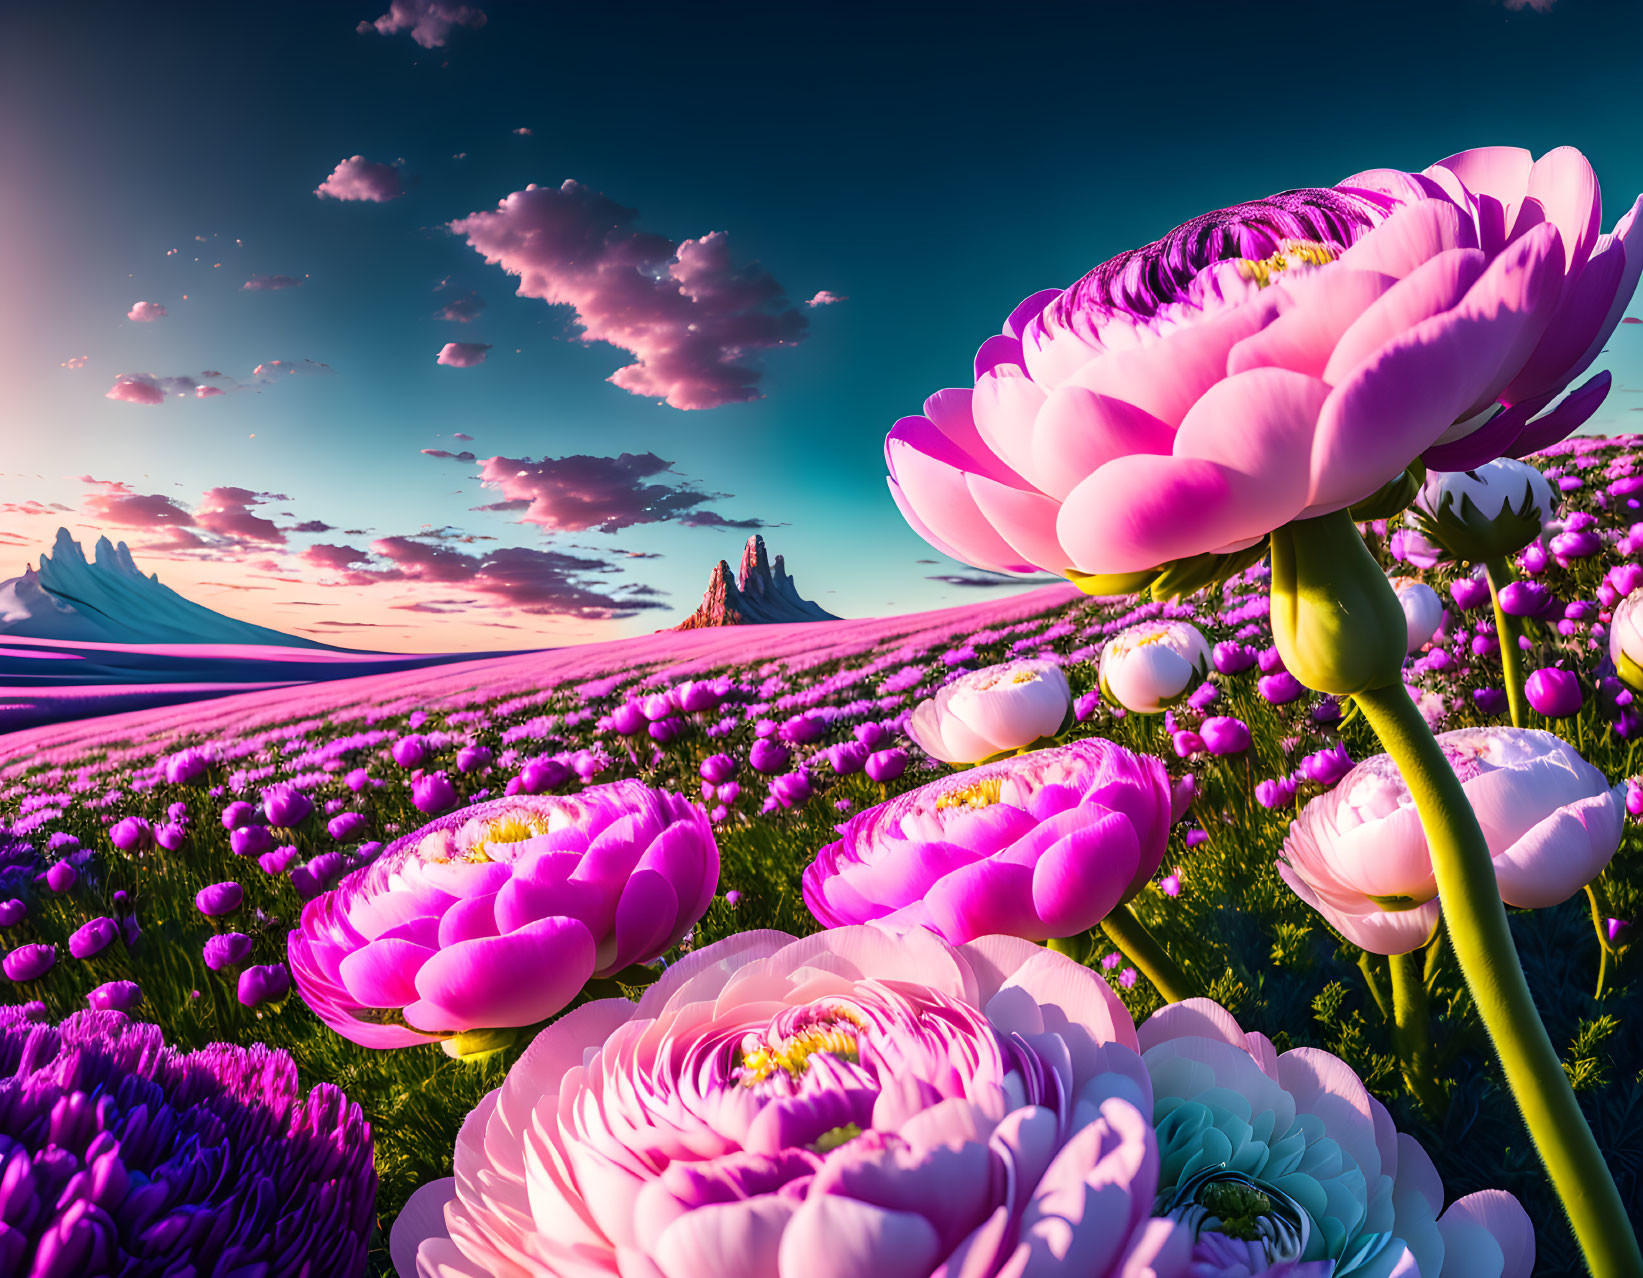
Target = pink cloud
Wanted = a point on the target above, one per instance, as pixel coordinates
(272, 283)
(523, 132)
(460, 435)
(117, 503)
(462, 310)
(535, 581)
(687, 315)
(357, 178)
(227, 513)
(206, 392)
(445, 455)
(572, 494)
(429, 21)
(462, 354)
(824, 298)
(335, 558)
(145, 312)
(79, 361)
(138, 388)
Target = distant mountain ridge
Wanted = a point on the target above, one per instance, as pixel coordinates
(108, 599)
(760, 595)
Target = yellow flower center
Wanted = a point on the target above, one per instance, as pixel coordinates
(792, 1053)
(983, 794)
(1290, 253)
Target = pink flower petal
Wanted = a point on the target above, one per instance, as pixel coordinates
(1078, 431)
(478, 984)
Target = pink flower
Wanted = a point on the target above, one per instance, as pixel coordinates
(992, 711)
(854, 1103)
(1278, 360)
(1359, 857)
(1039, 846)
(431, 939)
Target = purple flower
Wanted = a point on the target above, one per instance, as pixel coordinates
(29, 962)
(666, 731)
(1524, 598)
(170, 836)
(62, 877)
(286, 806)
(346, 826)
(1489, 701)
(1469, 592)
(847, 757)
(804, 729)
(792, 789)
(1182, 796)
(187, 766)
(1196, 837)
(716, 769)
(1327, 767)
(1554, 692)
(471, 758)
(768, 757)
(431, 938)
(237, 814)
(115, 996)
(93, 937)
(126, 1156)
(1270, 660)
(259, 985)
(434, 793)
(628, 719)
(219, 898)
(1187, 743)
(357, 780)
(1533, 560)
(132, 834)
(1581, 544)
(1619, 932)
(410, 752)
(1233, 658)
(1281, 688)
(541, 776)
(319, 875)
(1043, 845)
(1203, 696)
(1088, 703)
(275, 862)
(250, 840)
(1275, 792)
(12, 912)
(1225, 735)
(871, 733)
(885, 766)
(733, 898)
(226, 952)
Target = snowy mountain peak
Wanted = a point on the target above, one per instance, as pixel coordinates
(110, 600)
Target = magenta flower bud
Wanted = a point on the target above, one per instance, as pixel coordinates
(1483, 645)
(217, 899)
(1196, 837)
(1619, 932)
(170, 836)
(803, 729)
(542, 776)
(884, 766)
(357, 780)
(1469, 593)
(1634, 805)
(1270, 660)
(1327, 710)
(12, 912)
(719, 813)
(434, 793)
(1327, 767)
(1276, 792)
(792, 789)
(733, 898)
(1225, 735)
(696, 697)
(319, 875)
(1625, 578)
(666, 731)
(1170, 885)
(1069, 833)
(1533, 560)
(716, 769)
(187, 766)
(565, 887)
(115, 996)
(1182, 796)
(250, 840)
(1581, 544)
(1281, 688)
(1524, 598)
(259, 985)
(93, 937)
(62, 877)
(656, 706)
(1203, 696)
(1087, 704)
(346, 826)
(410, 751)
(286, 806)
(471, 758)
(237, 814)
(628, 719)
(275, 862)
(132, 834)
(847, 757)
(1233, 658)
(1554, 692)
(729, 792)
(29, 962)
(227, 951)
(768, 757)
(871, 733)
(1187, 743)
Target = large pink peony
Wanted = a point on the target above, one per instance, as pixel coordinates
(854, 1103)
(495, 916)
(1276, 360)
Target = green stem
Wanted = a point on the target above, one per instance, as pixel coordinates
(1371, 978)
(1412, 1032)
(1482, 940)
(1601, 927)
(1507, 630)
(1126, 931)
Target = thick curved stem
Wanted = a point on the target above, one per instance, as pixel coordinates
(1601, 927)
(1126, 931)
(1412, 1031)
(1507, 631)
(1482, 940)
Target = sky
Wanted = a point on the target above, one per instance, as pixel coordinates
(450, 326)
